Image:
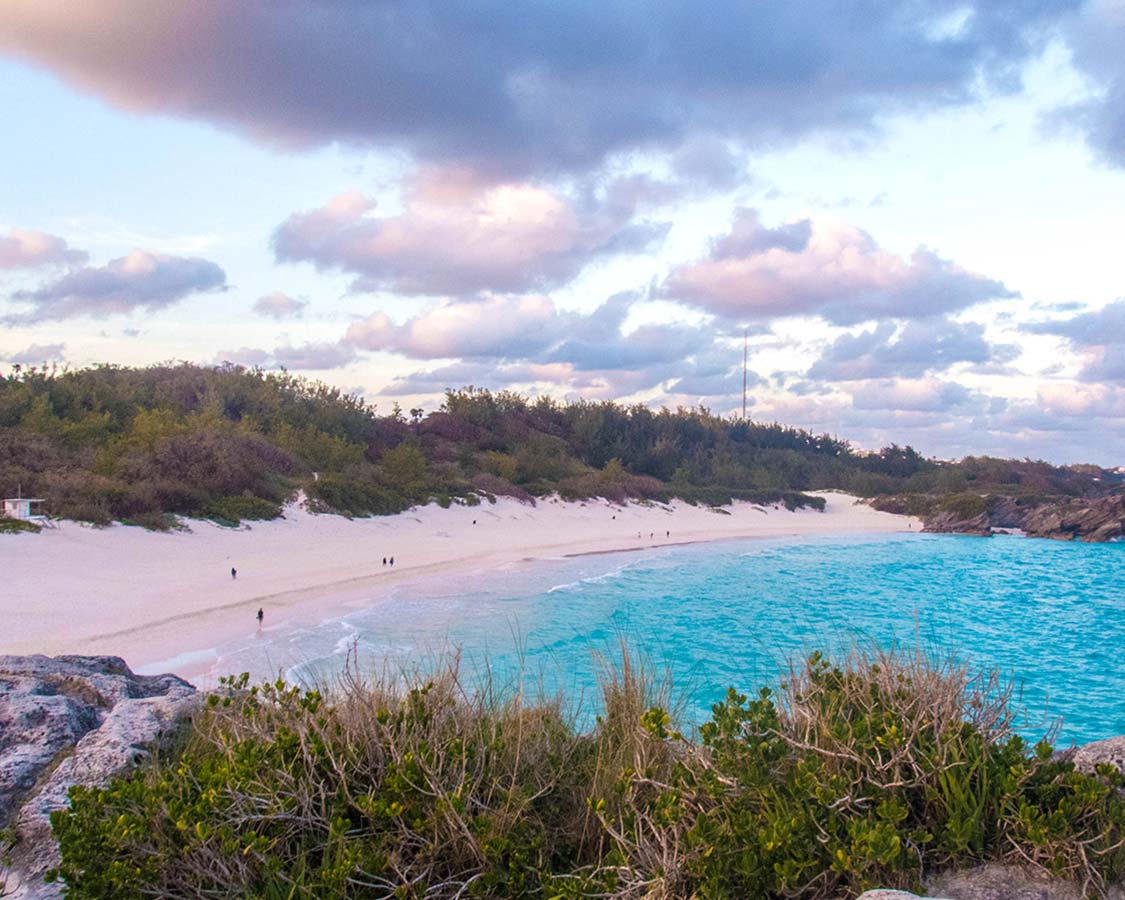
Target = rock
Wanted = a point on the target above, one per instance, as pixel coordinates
(71, 720)
(1097, 520)
(1002, 881)
(1088, 756)
(995, 881)
(951, 522)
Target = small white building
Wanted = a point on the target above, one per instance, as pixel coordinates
(24, 508)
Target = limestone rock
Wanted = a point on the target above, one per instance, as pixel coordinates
(1002, 881)
(71, 720)
(995, 881)
(1097, 520)
(1087, 757)
(950, 522)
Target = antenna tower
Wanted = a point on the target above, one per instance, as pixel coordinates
(745, 362)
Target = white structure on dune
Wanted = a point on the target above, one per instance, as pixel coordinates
(23, 508)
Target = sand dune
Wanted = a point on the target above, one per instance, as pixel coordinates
(154, 597)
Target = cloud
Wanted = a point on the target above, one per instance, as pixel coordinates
(460, 236)
(1095, 39)
(141, 280)
(909, 351)
(913, 395)
(279, 305)
(24, 249)
(251, 357)
(832, 271)
(1101, 333)
(531, 87)
(1091, 328)
(324, 355)
(502, 339)
(36, 354)
(531, 327)
(309, 357)
(494, 327)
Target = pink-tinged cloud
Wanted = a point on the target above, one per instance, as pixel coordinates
(912, 395)
(458, 237)
(534, 87)
(279, 305)
(503, 326)
(21, 248)
(821, 269)
(142, 280)
(36, 354)
(1089, 401)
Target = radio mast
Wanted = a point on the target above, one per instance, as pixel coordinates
(745, 361)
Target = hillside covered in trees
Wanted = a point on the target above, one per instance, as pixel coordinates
(144, 445)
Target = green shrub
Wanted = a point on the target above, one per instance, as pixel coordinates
(875, 770)
(232, 510)
(18, 526)
(155, 521)
(354, 496)
(966, 506)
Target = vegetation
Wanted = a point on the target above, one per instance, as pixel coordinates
(872, 771)
(146, 445)
(15, 526)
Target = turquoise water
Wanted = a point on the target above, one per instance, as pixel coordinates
(731, 614)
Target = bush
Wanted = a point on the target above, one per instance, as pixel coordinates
(875, 770)
(232, 510)
(18, 526)
(354, 496)
(966, 506)
(155, 521)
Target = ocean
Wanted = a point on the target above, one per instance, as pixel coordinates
(733, 613)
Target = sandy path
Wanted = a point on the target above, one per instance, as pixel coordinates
(150, 597)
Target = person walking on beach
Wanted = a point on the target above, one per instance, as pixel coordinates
(392, 561)
(261, 615)
(233, 572)
(384, 560)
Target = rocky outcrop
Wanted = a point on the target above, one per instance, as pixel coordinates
(1084, 520)
(1003, 881)
(995, 881)
(1087, 757)
(71, 720)
(951, 522)
(1093, 519)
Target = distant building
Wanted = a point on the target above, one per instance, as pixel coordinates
(26, 508)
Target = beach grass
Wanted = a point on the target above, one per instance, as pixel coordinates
(877, 769)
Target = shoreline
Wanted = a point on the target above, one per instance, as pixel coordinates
(156, 598)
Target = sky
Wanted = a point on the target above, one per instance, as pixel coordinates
(912, 214)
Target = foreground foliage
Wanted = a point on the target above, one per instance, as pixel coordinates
(872, 771)
(144, 445)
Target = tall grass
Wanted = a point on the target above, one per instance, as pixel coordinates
(876, 769)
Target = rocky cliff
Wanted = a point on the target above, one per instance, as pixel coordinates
(71, 720)
(1094, 519)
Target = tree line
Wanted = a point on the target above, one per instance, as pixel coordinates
(146, 445)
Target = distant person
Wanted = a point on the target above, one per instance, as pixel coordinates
(261, 615)
(474, 521)
(667, 534)
(233, 572)
(384, 560)
(392, 562)
(651, 535)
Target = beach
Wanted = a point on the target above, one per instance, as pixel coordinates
(154, 597)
